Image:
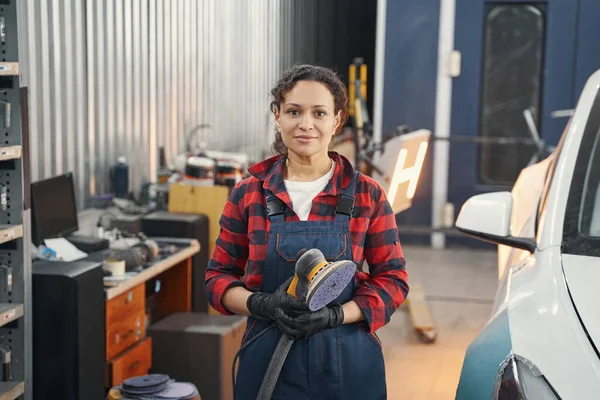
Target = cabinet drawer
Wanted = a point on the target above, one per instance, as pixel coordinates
(135, 362)
(124, 333)
(125, 304)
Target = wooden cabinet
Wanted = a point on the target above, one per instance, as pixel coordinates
(134, 362)
(128, 352)
(122, 334)
(128, 313)
(125, 304)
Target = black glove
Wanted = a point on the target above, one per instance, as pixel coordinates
(307, 324)
(263, 305)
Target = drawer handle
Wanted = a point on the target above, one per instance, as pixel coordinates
(126, 335)
(135, 365)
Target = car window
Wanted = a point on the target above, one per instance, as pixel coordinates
(589, 215)
(581, 228)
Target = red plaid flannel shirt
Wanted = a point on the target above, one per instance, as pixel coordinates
(241, 247)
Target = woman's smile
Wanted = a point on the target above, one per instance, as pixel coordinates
(305, 138)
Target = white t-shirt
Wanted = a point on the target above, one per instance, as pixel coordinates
(302, 194)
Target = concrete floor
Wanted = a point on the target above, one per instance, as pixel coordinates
(460, 285)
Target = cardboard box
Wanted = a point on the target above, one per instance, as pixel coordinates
(207, 200)
(198, 348)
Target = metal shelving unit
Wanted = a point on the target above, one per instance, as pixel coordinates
(10, 312)
(15, 220)
(11, 390)
(9, 233)
(10, 153)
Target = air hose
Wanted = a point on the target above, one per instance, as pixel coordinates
(237, 354)
(275, 365)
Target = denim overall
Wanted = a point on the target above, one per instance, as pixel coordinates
(344, 363)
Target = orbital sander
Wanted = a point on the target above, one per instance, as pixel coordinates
(317, 283)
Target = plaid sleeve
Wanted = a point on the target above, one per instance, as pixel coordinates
(387, 288)
(226, 267)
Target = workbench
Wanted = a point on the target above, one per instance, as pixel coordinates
(100, 325)
(131, 307)
(114, 289)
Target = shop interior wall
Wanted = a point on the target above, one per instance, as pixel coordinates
(411, 47)
(124, 77)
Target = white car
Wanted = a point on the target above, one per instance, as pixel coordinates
(542, 340)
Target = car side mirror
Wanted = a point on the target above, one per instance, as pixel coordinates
(487, 217)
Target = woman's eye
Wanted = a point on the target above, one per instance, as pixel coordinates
(293, 112)
(320, 113)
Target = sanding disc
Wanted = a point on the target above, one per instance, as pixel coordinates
(174, 391)
(329, 283)
(146, 384)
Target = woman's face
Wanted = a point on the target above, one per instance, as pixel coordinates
(307, 118)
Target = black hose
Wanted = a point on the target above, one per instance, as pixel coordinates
(272, 375)
(237, 354)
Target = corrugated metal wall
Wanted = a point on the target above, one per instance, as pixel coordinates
(124, 77)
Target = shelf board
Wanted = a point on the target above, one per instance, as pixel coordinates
(10, 232)
(10, 153)
(10, 312)
(11, 390)
(9, 68)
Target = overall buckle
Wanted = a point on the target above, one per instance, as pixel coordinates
(345, 205)
(275, 206)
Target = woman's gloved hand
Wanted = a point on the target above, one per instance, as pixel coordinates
(307, 324)
(264, 305)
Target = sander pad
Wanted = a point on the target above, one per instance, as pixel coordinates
(329, 283)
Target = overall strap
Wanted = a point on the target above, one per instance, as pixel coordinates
(275, 207)
(345, 204)
(343, 209)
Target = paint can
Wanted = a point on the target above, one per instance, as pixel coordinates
(229, 173)
(199, 171)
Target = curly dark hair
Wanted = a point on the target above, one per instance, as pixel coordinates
(315, 73)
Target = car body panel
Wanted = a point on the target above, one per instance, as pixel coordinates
(580, 273)
(551, 223)
(543, 327)
(546, 330)
(549, 299)
(484, 356)
(526, 196)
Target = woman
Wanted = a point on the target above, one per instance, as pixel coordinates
(310, 193)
